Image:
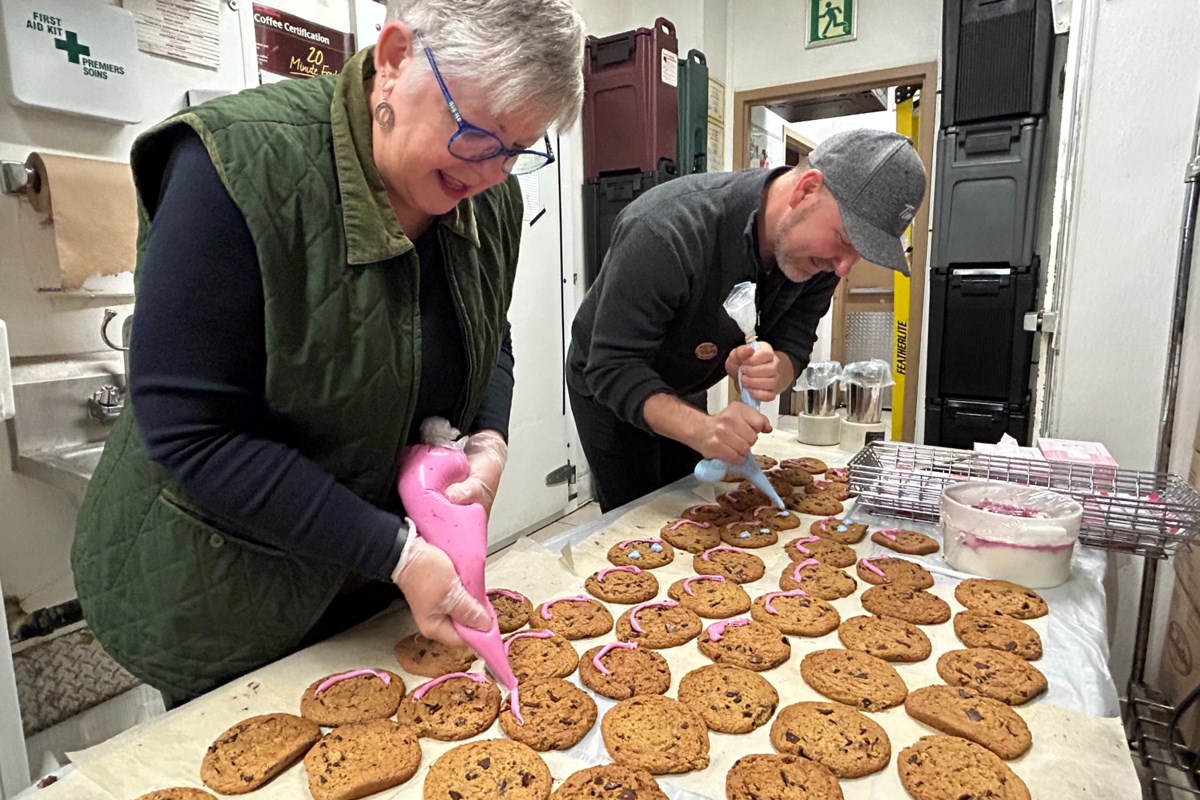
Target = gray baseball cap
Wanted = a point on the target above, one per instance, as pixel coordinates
(878, 181)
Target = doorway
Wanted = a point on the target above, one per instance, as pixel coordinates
(871, 289)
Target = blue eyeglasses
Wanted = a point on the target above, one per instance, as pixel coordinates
(472, 143)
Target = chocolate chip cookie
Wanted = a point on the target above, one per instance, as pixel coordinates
(962, 712)
(752, 534)
(766, 777)
(178, 793)
(839, 530)
(885, 637)
(836, 489)
(937, 767)
(1010, 599)
(556, 714)
(729, 699)
(625, 585)
(827, 551)
(845, 741)
(576, 617)
(644, 553)
(657, 734)
(354, 696)
(487, 770)
(659, 624)
(820, 505)
(905, 541)
(255, 750)
(710, 596)
(745, 643)
(513, 609)
(993, 673)
(730, 563)
(998, 632)
(765, 462)
(904, 602)
(692, 536)
(811, 465)
(422, 656)
(819, 580)
(779, 521)
(540, 654)
(741, 500)
(621, 670)
(361, 758)
(794, 475)
(451, 708)
(706, 512)
(795, 613)
(610, 782)
(856, 679)
(878, 570)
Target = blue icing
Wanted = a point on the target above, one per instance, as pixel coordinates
(841, 527)
(656, 548)
(764, 530)
(634, 554)
(744, 535)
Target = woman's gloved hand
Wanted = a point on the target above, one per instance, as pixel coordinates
(434, 592)
(487, 453)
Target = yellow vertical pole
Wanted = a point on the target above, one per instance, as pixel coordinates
(906, 125)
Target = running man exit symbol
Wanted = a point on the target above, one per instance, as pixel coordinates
(73, 47)
(830, 22)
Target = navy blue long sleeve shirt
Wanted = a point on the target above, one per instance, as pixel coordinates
(197, 367)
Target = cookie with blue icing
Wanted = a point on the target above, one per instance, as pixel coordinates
(644, 553)
(839, 530)
(748, 533)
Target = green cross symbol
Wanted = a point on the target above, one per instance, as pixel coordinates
(73, 47)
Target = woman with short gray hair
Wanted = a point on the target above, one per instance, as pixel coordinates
(322, 264)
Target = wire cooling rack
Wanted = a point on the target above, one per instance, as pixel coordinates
(1143, 513)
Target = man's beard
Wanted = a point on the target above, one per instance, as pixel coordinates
(796, 266)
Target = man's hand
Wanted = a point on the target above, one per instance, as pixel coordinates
(487, 454)
(434, 593)
(730, 433)
(764, 372)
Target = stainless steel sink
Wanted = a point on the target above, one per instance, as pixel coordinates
(68, 468)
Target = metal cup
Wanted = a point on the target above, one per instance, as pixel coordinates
(821, 402)
(865, 404)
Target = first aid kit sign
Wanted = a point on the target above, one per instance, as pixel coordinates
(71, 56)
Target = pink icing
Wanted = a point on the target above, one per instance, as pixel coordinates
(630, 542)
(600, 575)
(345, 676)
(682, 522)
(839, 472)
(821, 482)
(889, 533)
(720, 547)
(1008, 509)
(506, 593)
(526, 635)
(633, 612)
(799, 544)
(717, 629)
(808, 562)
(579, 598)
(687, 582)
(459, 531)
(738, 523)
(424, 688)
(605, 651)
(777, 512)
(772, 595)
(869, 564)
(702, 505)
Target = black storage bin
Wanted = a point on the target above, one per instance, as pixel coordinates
(603, 199)
(988, 176)
(961, 423)
(630, 103)
(693, 114)
(998, 56)
(978, 348)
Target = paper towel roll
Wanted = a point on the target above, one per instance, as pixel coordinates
(93, 207)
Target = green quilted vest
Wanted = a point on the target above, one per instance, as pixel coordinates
(183, 600)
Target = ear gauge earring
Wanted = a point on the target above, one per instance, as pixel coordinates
(385, 115)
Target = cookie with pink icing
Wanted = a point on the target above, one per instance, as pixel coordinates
(641, 553)
(782, 487)
(513, 609)
(813, 465)
(797, 477)
(776, 520)
(730, 563)
(690, 535)
(819, 505)
(659, 624)
(745, 643)
(796, 613)
(711, 596)
(905, 541)
(706, 512)
(540, 654)
(840, 530)
(356, 695)
(836, 489)
(817, 579)
(827, 551)
(625, 585)
(878, 570)
(751, 534)
(742, 499)
(451, 708)
(576, 617)
(623, 669)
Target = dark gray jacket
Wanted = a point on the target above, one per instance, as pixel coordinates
(647, 323)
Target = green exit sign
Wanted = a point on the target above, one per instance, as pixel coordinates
(831, 22)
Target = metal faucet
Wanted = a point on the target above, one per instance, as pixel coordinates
(106, 403)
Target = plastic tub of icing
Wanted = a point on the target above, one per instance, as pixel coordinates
(1013, 533)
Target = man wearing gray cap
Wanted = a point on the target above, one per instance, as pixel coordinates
(651, 336)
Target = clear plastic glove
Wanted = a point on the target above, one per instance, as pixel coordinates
(487, 453)
(434, 593)
(730, 433)
(763, 371)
